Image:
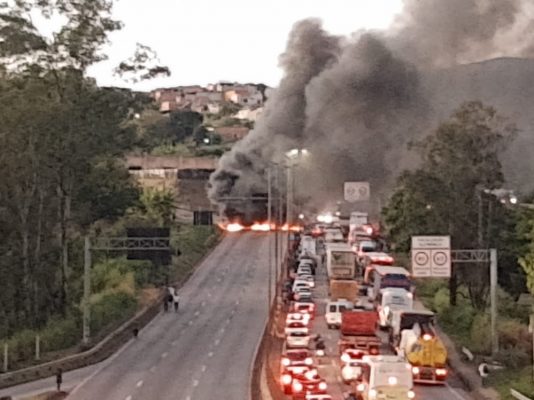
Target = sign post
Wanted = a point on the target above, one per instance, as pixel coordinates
(431, 256)
(356, 191)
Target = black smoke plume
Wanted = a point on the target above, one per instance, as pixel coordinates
(356, 102)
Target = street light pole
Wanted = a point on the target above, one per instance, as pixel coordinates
(269, 294)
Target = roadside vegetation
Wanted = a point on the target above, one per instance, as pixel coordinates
(445, 196)
(62, 141)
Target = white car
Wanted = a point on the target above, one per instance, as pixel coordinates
(298, 338)
(351, 371)
(303, 293)
(304, 270)
(298, 284)
(296, 326)
(308, 279)
(298, 317)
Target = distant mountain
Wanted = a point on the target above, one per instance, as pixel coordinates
(504, 83)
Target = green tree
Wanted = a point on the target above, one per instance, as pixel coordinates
(458, 160)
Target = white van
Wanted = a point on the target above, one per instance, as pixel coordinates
(334, 310)
(388, 376)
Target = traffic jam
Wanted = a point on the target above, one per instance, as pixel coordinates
(352, 328)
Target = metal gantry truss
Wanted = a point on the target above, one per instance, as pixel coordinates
(470, 256)
(130, 243)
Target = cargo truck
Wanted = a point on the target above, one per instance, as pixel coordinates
(358, 332)
(340, 261)
(343, 289)
(426, 353)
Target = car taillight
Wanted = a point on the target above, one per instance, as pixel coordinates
(310, 374)
(360, 387)
(308, 361)
(286, 379)
(441, 372)
(427, 337)
(373, 351)
(297, 386)
(285, 361)
(415, 370)
(322, 386)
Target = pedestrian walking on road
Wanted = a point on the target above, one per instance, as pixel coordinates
(59, 379)
(165, 303)
(176, 301)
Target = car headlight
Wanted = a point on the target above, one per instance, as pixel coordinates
(372, 394)
(411, 394)
(322, 386)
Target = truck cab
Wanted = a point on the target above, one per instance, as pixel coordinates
(385, 377)
(406, 319)
(390, 299)
(381, 277)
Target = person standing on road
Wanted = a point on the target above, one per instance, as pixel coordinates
(59, 379)
(176, 301)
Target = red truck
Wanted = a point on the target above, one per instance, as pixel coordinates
(358, 332)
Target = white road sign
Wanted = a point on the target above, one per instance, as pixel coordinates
(431, 256)
(356, 191)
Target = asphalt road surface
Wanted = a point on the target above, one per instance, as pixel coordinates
(204, 351)
(329, 369)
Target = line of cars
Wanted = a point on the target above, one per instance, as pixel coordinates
(302, 351)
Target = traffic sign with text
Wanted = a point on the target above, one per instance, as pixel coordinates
(431, 256)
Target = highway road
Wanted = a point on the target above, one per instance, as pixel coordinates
(330, 370)
(204, 351)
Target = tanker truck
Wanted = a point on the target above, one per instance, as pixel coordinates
(420, 346)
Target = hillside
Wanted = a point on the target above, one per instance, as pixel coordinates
(505, 83)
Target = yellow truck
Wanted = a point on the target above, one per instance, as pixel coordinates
(426, 353)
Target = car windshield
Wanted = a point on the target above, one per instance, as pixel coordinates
(298, 334)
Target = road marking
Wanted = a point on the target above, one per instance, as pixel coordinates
(203, 304)
(209, 294)
(153, 369)
(174, 343)
(188, 398)
(217, 342)
(128, 398)
(197, 313)
(223, 329)
(164, 355)
(139, 384)
(204, 367)
(454, 392)
(237, 302)
(210, 354)
(195, 383)
(190, 323)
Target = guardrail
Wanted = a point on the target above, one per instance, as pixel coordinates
(518, 395)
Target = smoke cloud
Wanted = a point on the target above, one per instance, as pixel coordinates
(356, 102)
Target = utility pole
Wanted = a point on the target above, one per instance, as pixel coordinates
(86, 291)
(493, 299)
(269, 212)
(480, 229)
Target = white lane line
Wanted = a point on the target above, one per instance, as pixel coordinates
(454, 392)
(209, 294)
(195, 383)
(128, 398)
(190, 323)
(223, 329)
(153, 369)
(174, 343)
(197, 313)
(164, 355)
(217, 342)
(204, 368)
(237, 302)
(139, 384)
(203, 304)
(188, 398)
(210, 354)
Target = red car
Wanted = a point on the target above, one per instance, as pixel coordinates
(308, 383)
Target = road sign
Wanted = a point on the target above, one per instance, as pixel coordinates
(431, 256)
(356, 191)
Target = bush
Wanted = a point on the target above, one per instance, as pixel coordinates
(513, 357)
(61, 333)
(513, 334)
(480, 341)
(22, 346)
(112, 308)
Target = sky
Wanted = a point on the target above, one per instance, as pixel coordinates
(204, 41)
